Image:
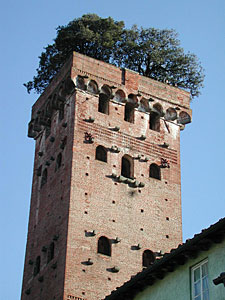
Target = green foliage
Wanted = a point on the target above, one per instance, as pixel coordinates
(151, 52)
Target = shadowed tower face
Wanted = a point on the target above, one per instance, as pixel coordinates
(106, 184)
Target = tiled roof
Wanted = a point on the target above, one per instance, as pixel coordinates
(170, 261)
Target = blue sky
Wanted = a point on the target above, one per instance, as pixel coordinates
(28, 26)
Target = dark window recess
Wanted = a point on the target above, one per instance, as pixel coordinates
(129, 112)
(154, 171)
(104, 246)
(44, 177)
(47, 131)
(63, 143)
(154, 121)
(39, 170)
(58, 161)
(51, 252)
(37, 265)
(101, 153)
(103, 104)
(127, 167)
(148, 258)
(61, 112)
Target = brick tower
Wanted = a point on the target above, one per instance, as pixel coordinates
(106, 193)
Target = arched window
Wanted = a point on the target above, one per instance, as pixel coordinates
(101, 153)
(104, 246)
(92, 87)
(44, 177)
(103, 104)
(155, 117)
(58, 161)
(129, 112)
(184, 118)
(127, 167)
(171, 114)
(148, 258)
(37, 265)
(154, 121)
(119, 96)
(154, 171)
(51, 251)
(80, 83)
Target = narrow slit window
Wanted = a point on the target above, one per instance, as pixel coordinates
(37, 265)
(61, 113)
(44, 177)
(104, 246)
(101, 154)
(58, 161)
(51, 252)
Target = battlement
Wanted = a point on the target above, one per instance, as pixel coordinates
(114, 84)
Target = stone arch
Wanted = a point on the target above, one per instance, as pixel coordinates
(144, 105)
(171, 114)
(120, 96)
(92, 87)
(184, 118)
(80, 83)
(106, 90)
(158, 108)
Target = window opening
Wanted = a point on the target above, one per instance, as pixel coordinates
(101, 153)
(80, 83)
(61, 112)
(154, 121)
(103, 104)
(51, 252)
(92, 87)
(47, 131)
(104, 246)
(154, 171)
(129, 112)
(44, 177)
(58, 161)
(39, 171)
(127, 167)
(200, 285)
(148, 258)
(37, 265)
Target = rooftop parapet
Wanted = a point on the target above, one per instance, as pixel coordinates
(121, 85)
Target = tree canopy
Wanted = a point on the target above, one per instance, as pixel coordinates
(152, 52)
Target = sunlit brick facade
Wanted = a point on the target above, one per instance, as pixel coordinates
(106, 182)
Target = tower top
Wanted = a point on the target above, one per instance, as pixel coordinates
(121, 85)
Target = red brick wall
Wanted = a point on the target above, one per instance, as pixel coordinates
(82, 196)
